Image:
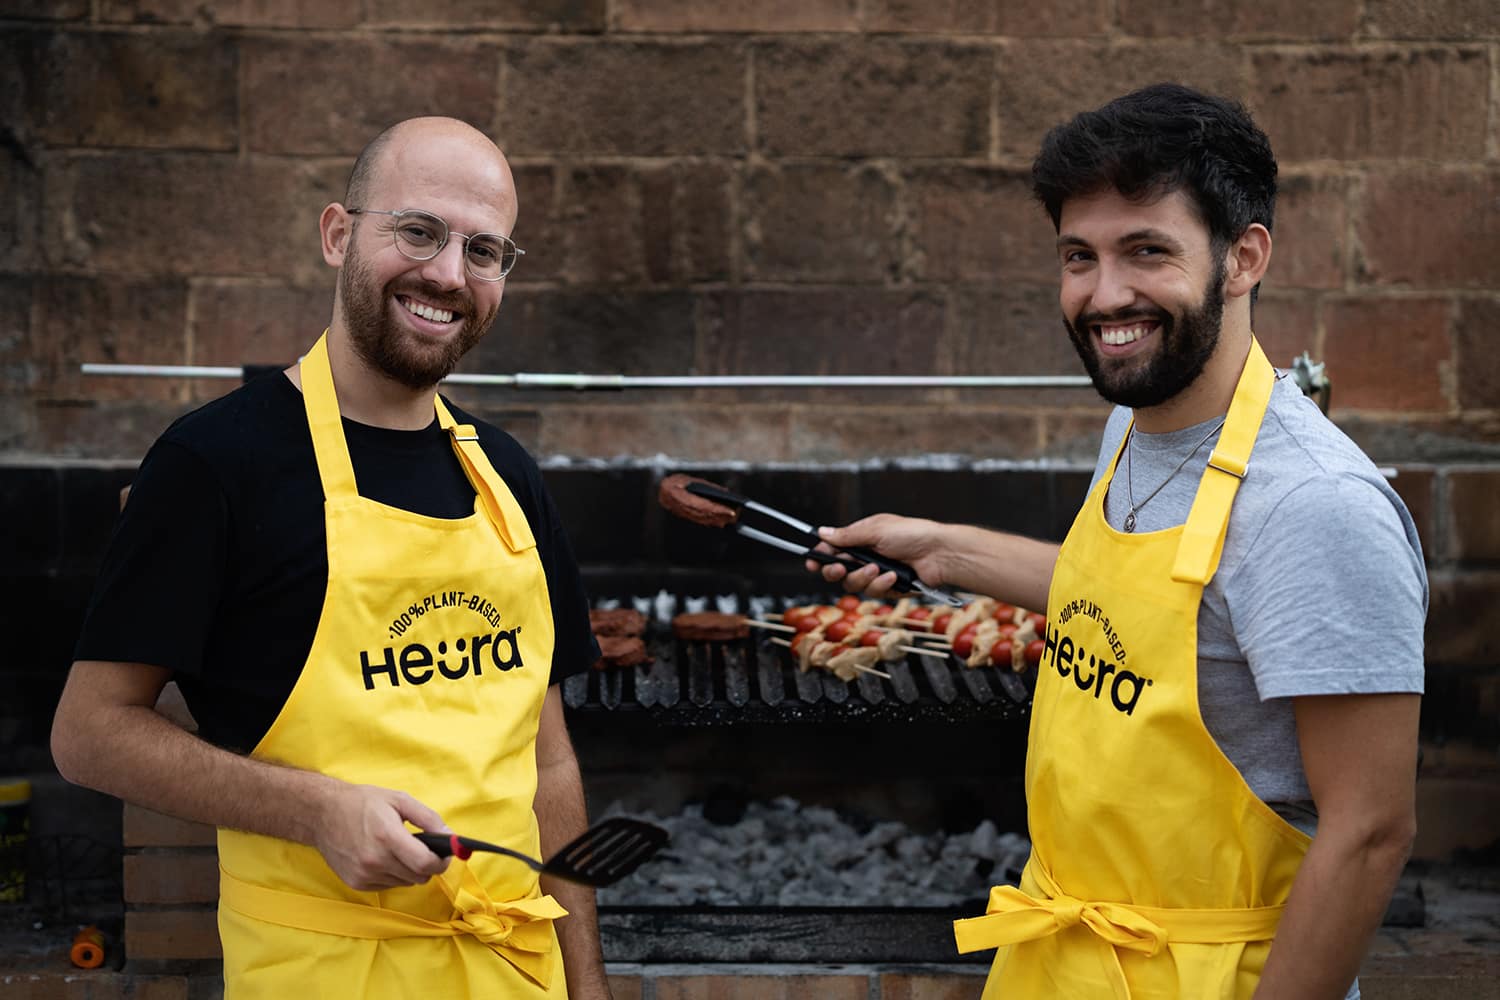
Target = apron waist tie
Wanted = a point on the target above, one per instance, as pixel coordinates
(1012, 917)
(519, 931)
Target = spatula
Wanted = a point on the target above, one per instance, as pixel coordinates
(602, 855)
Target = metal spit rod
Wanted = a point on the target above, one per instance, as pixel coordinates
(533, 380)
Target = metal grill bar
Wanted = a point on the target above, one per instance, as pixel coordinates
(721, 683)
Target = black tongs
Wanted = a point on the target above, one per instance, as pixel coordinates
(602, 855)
(906, 577)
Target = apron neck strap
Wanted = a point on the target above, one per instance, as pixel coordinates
(499, 503)
(321, 402)
(1203, 535)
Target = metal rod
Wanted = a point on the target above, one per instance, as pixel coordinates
(532, 380)
(164, 371)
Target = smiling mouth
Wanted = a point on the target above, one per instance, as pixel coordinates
(1121, 334)
(430, 313)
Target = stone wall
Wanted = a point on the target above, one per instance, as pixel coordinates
(828, 186)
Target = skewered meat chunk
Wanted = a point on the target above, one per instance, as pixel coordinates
(616, 622)
(675, 499)
(846, 664)
(889, 644)
(709, 626)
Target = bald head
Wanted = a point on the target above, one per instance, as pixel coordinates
(426, 145)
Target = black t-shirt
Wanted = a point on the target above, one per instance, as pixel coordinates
(218, 565)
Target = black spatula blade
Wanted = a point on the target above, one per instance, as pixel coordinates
(602, 855)
(607, 851)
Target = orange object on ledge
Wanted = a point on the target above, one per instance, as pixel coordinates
(88, 948)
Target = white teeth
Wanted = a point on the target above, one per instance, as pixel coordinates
(1121, 335)
(427, 312)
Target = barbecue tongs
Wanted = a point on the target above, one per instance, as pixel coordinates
(602, 855)
(906, 577)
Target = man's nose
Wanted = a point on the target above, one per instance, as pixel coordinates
(447, 270)
(1113, 290)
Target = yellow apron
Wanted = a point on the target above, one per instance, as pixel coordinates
(427, 675)
(1155, 871)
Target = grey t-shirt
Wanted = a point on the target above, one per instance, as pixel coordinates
(1321, 588)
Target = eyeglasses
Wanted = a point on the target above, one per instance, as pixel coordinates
(422, 236)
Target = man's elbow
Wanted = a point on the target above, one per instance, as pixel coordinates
(1400, 835)
(69, 746)
(80, 733)
(1387, 840)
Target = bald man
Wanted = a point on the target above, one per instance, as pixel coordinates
(368, 602)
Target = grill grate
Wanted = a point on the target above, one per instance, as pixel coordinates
(751, 680)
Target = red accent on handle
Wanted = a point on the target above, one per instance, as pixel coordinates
(459, 848)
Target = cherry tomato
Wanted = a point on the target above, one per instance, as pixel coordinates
(940, 621)
(968, 630)
(885, 609)
(1034, 650)
(919, 617)
(807, 623)
(1039, 622)
(848, 602)
(839, 630)
(1008, 631)
(870, 638)
(791, 616)
(1005, 612)
(1000, 652)
(963, 645)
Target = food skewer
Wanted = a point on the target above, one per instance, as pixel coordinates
(772, 626)
(859, 667)
(864, 623)
(985, 632)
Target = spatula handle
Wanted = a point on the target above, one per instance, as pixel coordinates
(444, 844)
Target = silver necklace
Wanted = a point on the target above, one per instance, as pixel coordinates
(1129, 486)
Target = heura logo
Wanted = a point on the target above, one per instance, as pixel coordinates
(415, 663)
(1089, 672)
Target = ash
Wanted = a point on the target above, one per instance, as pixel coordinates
(781, 854)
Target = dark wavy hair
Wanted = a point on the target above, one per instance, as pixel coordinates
(1157, 140)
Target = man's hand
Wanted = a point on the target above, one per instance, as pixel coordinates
(361, 835)
(1009, 567)
(911, 540)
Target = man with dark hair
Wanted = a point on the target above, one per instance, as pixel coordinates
(1220, 773)
(368, 602)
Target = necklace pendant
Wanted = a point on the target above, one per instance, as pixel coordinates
(1130, 522)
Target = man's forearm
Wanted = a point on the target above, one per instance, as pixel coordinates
(132, 752)
(1010, 567)
(1337, 902)
(562, 815)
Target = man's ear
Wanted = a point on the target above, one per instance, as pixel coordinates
(1248, 258)
(337, 229)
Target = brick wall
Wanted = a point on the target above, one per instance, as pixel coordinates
(829, 186)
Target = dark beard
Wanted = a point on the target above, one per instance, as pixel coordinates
(1187, 343)
(387, 348)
